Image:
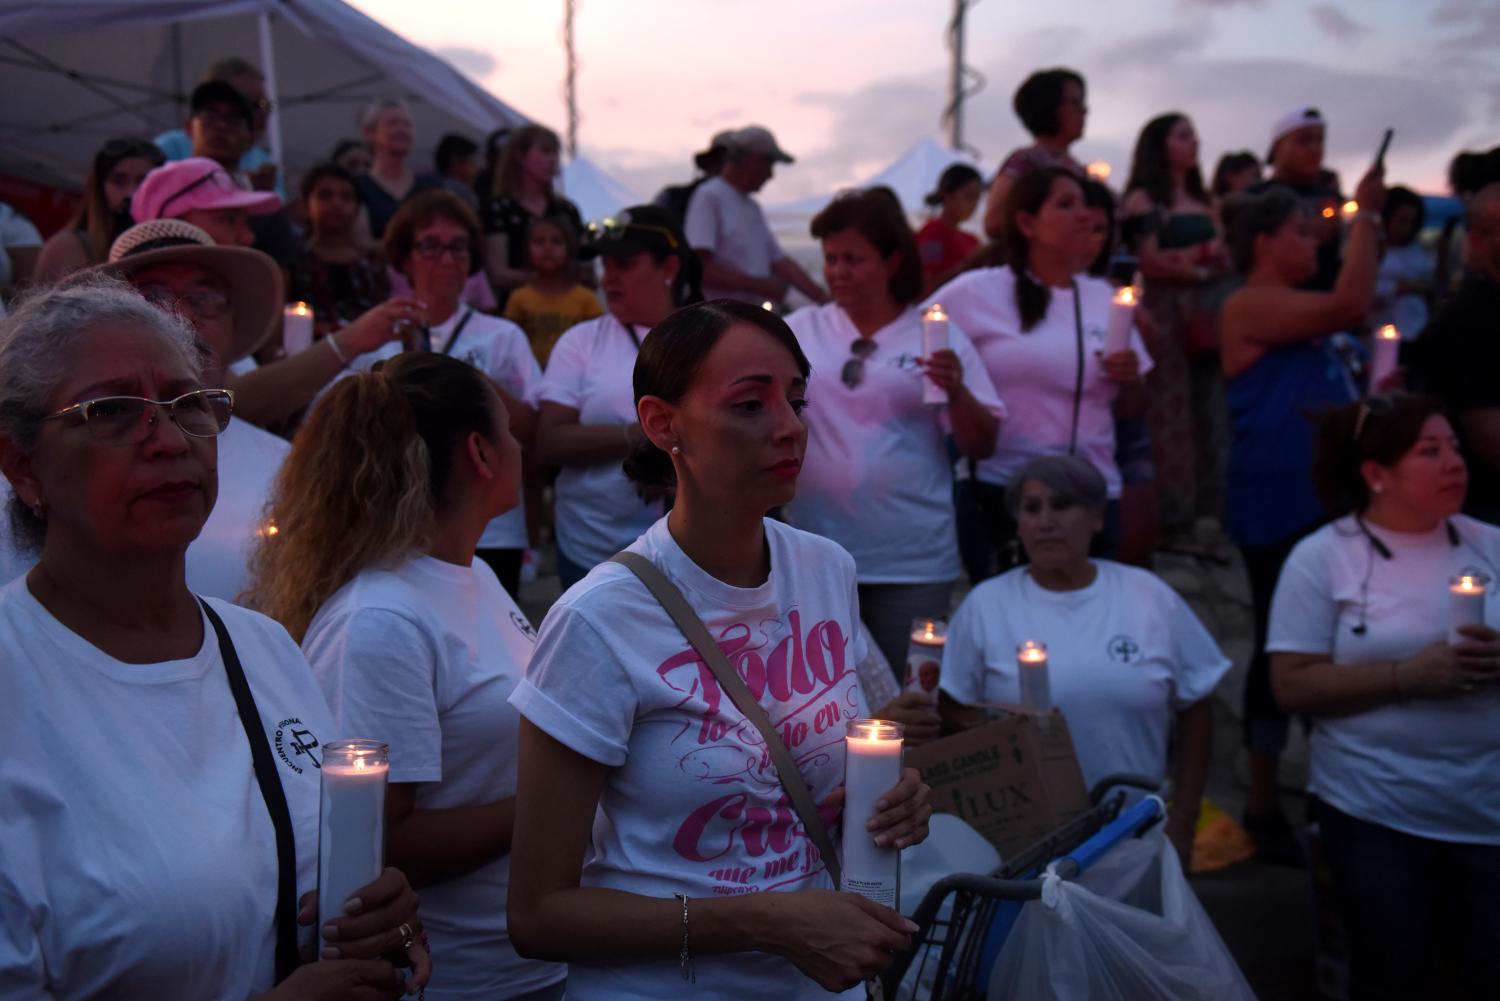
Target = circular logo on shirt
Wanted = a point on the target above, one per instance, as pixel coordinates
(527, 629)
(1123, 650)
(295, 745)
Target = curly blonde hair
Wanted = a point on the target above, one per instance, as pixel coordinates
(364, 481)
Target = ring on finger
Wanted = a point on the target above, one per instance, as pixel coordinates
(407, 936)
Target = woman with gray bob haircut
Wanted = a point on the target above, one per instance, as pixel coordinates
(159, 749)
(1126, 656)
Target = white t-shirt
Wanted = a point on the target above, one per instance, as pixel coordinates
(692, 803)
(877, 479)
(1036, 371)
(1407, 311)
(137, 857)
(15, 231)
(727, 222)
(500, 350)
(423, 657)
(218, 561)
(1426, 766)
(1123, 654)
(598, 511)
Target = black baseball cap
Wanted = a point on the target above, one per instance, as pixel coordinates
(638, 229)
(213, 92)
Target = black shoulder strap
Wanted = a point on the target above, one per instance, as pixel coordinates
(1078, 379)
(270, 789)
(458, 328)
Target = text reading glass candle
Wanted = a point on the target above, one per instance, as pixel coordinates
(296, 327)
(924, 657)
(1465, 604)
(1036, 686)
(351, 824)
(872, 768)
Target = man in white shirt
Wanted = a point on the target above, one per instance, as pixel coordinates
(728, 229)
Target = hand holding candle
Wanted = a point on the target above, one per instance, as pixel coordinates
(934, 339)
(872, 768)
(1466, 604)
(1121, 318)
(296, 327)
(351, 827)
(1383, 355)
(924, 657)
(1036, 685)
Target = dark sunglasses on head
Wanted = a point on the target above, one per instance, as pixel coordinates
(1372, 406)
(853, 372)
(616, 229)
(129, 420)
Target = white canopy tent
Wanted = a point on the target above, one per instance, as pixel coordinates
(77, 72)
(596, 194)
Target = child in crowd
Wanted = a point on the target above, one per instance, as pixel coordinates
(944, 246)
(553, 300)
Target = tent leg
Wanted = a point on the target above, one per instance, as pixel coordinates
(268, 67)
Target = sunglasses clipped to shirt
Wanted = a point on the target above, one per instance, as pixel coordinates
(853, 372)
(129, 420)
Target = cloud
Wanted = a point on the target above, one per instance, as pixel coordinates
(1155, 48)
(475, 62)
(1334, 23)
(1220, 4)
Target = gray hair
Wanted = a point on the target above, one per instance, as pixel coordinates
(1068, 476)
(377, 107)
(39, 343)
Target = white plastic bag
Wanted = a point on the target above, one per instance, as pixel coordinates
(1130, 929)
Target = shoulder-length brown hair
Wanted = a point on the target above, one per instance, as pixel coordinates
(876, 215)
(508, 173)
(417, 213)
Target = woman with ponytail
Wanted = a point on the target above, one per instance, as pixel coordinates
(945, 247)
(1040, 324)
(371, 566)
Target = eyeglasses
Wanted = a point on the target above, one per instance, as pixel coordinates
(217, 177)
(206, 304)
(854, 369)
(432, 248)
(129, 420)
(616, 229)
(1377, 406)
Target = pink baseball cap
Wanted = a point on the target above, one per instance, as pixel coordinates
(177, 188)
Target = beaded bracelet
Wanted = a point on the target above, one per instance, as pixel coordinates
(685, 960)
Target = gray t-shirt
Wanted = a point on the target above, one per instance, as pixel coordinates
(730, 224)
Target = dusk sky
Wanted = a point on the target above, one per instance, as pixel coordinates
(847, 85)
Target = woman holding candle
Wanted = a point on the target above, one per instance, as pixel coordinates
(878, 479)
(622, 718)
(1283, 356)
(1406, 749)
(187, 804)
(1169, 224)
(412, 639)
(435, 240)
(586, 421)
(337, 278)
(1125, 658)
(1041, 327)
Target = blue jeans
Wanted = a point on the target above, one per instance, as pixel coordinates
(1400, 896)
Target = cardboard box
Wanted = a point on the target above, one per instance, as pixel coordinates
(1014, 780)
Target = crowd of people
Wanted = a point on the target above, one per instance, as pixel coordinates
(212, 522)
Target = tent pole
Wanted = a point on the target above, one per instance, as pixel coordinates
(268, 68)
(956, 93)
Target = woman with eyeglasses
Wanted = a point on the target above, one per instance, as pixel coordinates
(1284, 356)
(158, 751)
(878, 479)
(1040, 325)
(388, 490)
(1405, 754)
(118, 168)
(586, 421)
(435, 241)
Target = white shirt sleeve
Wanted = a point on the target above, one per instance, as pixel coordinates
(22, 973)
(563, 382)
(377, 669)
(963, 655)
(16, 230)
(976, 375)
(1198, 663)
(514, 365)
(701, 225)
(576, 689)
(1303, 613)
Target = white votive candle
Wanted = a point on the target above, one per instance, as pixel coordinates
(872, 768)
(1121, 316)
(1465, 604)
(296, 327)
(934, 339)
(351, 824)
(1036, 686)
(1383, 355)
(924, 657)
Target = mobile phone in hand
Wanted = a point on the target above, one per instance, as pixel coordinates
(1385, 144)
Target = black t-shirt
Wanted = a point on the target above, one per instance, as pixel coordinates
(381, 205)
(1322, 194)
(504, 216)
(1458, 357)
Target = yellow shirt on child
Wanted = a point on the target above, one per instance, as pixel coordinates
(545, 317)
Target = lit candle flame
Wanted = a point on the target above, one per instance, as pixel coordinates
(1099, 170)
(875, 730)
(1328, 212)
(359, 764)
(301, 309)
(1032, 652)
(935, 313)
(1125, 296)
(1389, 333)
(1351, 208)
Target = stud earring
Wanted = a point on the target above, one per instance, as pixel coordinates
(676, 450)
(1379, 488)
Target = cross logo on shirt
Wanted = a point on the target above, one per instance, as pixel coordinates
(1123, 649)
(292, 735)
